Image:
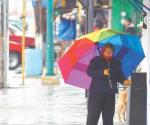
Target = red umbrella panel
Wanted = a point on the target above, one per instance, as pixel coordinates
(74, 63)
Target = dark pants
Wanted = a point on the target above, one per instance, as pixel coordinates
(98, 103)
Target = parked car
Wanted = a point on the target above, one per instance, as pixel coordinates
(15, 49)
(15, 42)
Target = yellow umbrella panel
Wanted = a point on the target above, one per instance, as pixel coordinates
(100, 34)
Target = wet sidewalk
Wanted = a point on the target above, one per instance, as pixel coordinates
(35, 104)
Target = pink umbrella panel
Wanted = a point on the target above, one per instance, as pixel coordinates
(74, 63)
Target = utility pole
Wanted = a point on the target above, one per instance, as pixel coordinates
(1, 46)
(90, 16)
(50, 42)
(89, 24)
(4, 51)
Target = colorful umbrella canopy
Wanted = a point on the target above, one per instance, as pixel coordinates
(74, 63)
(128, 50)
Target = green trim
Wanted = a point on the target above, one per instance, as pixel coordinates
(119, 6)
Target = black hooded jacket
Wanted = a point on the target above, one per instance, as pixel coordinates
(101, 83)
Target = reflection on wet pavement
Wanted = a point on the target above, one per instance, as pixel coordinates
(43, 105)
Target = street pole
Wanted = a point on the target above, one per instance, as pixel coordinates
(90, 16)
(89, 24)
(48, 77)
(23, 39)
(50, 44)
(4, 44)
(1, 46)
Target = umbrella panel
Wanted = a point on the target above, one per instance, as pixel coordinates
(74, 63)
(78, 76)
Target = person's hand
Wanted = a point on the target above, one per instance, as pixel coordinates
(106, 72)
(127, 82)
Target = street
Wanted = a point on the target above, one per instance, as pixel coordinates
(35, 104)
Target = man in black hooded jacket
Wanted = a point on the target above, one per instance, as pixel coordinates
(105, 72)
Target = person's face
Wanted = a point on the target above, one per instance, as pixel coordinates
(126, 23)
(108, 53)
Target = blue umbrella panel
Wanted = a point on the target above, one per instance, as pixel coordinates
(128, 50)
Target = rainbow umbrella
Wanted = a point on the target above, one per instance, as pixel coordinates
(74, 63)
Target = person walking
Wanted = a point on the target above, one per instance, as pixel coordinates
(129, 26)
(105, 72)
